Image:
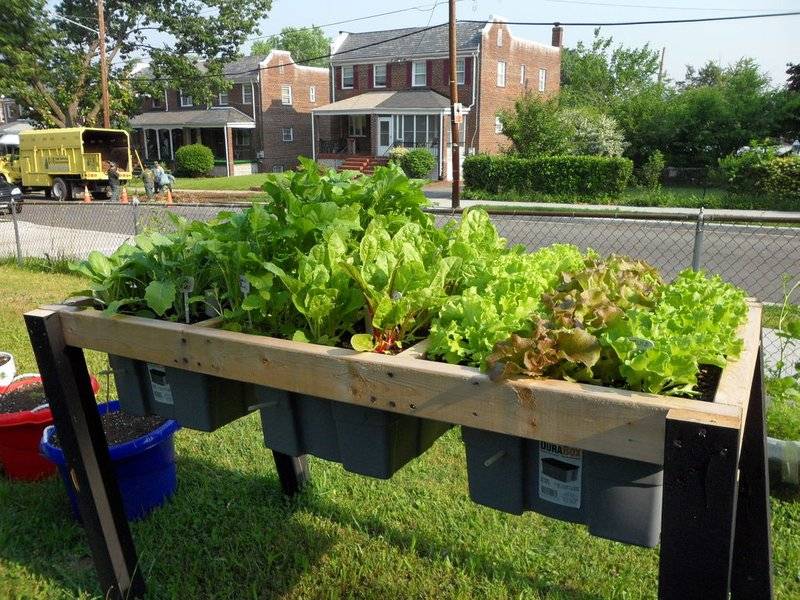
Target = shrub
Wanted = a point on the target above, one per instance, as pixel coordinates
(758, 171)
(194, 160)
(396, 155)
(591, 133)
(782, 178)
(650, 172)
(534, 127)
(417, 163)
(585, 175)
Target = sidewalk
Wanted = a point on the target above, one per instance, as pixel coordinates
(440, 197)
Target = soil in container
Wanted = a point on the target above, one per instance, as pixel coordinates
(120, 427)
(23, 398)
(707, 381)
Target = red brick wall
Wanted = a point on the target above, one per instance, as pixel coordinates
(398, 78)
(275, 116)
(515, 52)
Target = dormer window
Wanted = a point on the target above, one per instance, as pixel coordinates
(419, 73)
(185, 100)
(347, 77)
(379, 75)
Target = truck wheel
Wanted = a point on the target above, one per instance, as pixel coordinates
(60, 191)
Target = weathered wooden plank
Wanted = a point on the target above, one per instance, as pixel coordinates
(612, 421)
(737, 377)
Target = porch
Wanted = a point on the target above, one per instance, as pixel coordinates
(228, 132)
(359, 132)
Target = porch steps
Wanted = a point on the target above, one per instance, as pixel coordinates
(364, 164)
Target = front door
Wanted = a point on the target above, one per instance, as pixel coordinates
(384, 135)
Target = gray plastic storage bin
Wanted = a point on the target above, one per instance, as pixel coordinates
(195, 400)
(618, 499)
(367, 441)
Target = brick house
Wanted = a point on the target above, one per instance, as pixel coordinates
(261, 124)
(391, 88)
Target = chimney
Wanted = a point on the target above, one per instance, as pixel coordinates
(558, 35)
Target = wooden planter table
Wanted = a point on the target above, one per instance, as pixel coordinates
(715, 537)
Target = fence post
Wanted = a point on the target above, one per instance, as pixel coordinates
(135, 206)
(698, 241)
(13, 209)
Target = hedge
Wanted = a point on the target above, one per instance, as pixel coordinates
(585, 175)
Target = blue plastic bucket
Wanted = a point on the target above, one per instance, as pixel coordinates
(145, 467)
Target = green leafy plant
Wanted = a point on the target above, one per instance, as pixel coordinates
(650, 172)
(194, 160)
(417, 162)
(783, 380)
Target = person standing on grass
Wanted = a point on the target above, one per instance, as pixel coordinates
(165, 180)
(158, 171)
(113, 181)
(149, 181)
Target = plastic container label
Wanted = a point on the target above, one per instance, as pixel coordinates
(158, 381)
(560, 474)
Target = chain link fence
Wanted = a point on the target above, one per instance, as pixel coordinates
(752, 251)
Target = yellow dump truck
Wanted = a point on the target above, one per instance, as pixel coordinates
(63, 162)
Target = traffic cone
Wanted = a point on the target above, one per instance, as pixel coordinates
(169, 196)
(87, 197)
(123, 199)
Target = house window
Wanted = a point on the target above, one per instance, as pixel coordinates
(417, 131)
(499, 37)
(155, 102)
(347, 77)
(185, 100)
(242, 142)
(501, 74)
(498, 125)
(247, 94)
(542, 79)
(461, 70)
(288, 134)
(286, 94)
(355, 125)
(419, 75)
(223, 98)
(312, 93)
(379, 76)
(522, 74)
(277, 168)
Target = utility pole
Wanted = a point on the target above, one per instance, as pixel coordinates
(454, 133)
(661, 65)
(103, 63)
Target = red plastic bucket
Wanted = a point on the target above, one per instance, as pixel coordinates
(20, 434)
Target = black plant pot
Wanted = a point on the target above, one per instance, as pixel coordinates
(367, 441)
(195, 400)
(618, 499)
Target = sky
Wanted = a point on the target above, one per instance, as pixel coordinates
(772, 42)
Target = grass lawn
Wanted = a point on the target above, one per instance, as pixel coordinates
(234, 183)
(228, 532)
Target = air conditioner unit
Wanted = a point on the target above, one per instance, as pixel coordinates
(260, 154)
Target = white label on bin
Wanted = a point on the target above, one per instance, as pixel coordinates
(560, 474)
(158, 382)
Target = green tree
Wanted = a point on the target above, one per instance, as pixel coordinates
(534, 127)
(305, 44)
(592, 133)
(602, 74)
(51, 66)
(793, 77)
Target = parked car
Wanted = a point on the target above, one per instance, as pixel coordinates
(9, 192)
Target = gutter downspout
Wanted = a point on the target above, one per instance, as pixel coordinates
(253, 98)
(166, 100)
(313, 139)
(475, 96)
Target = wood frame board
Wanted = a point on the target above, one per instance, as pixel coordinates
(599, 419)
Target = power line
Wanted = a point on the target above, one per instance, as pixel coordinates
(652, 6)
(299, 62)
(659, 22)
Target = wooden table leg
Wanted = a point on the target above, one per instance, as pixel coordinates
(292, 472)
(69, 391)
(751, 578)
(699, 510)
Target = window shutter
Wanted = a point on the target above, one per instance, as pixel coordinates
(446, 73)
(337, 76)
(429, 73)
(409, 75)
(468, 70)
(370, 76)
(355, 77)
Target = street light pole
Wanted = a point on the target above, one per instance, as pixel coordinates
(454, 134)
(103, 63)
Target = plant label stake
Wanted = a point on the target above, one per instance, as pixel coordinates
(244, 286)
(187, 286)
